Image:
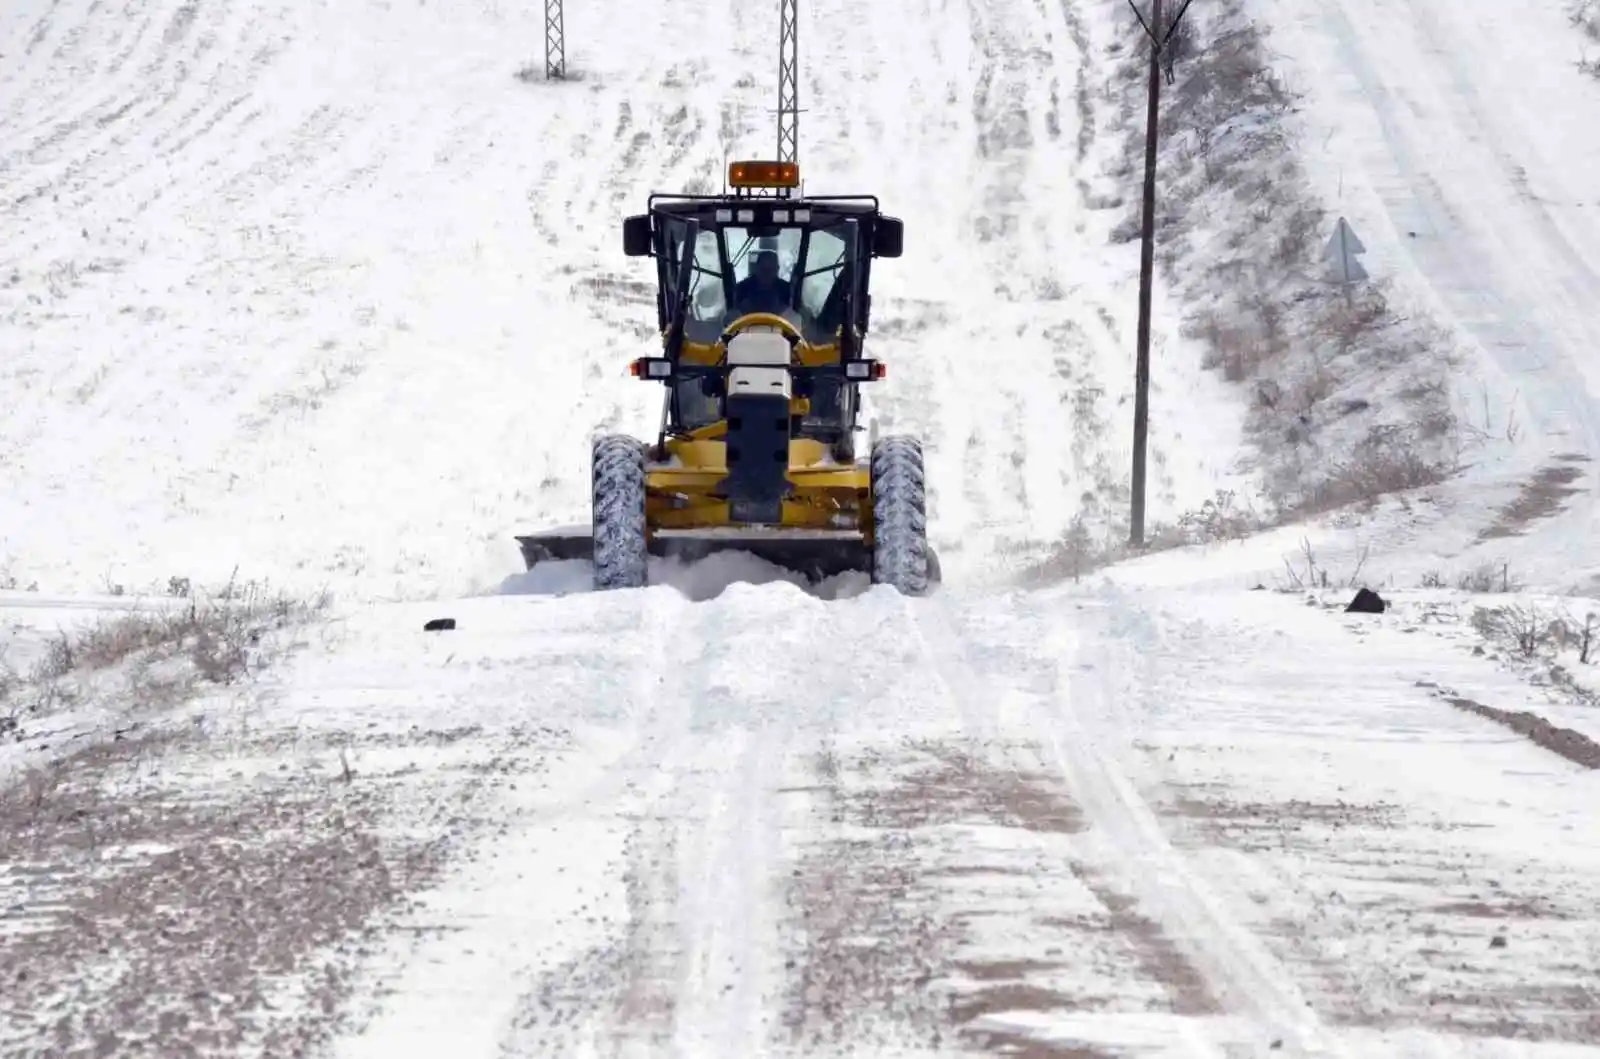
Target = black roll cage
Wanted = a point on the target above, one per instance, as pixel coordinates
(645, 235)
(697, 213)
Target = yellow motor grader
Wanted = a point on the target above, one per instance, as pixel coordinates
(763, 304)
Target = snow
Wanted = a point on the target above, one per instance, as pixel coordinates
(385, 276)
(323, 296)
(1179, 753)
(1456, 145)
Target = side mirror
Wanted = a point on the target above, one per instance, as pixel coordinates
(636, 241)
(888, 237)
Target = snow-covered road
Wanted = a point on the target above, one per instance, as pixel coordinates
(1185, 825)
(1105, 823)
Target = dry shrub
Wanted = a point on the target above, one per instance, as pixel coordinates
(1486, 577)
(1309, 573)
(1585, 15)
(1534, 637)
(1388, 460)
(1527, 630)
(1224, 517)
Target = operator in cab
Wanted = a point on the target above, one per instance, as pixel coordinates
(763, 291)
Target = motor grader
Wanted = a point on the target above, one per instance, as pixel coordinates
(763, 304)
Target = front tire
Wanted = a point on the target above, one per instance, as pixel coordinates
(621, 555)
(900, 554)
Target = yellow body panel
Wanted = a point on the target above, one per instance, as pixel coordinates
(826, 495)
(704, 454)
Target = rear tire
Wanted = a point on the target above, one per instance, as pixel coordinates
(621, 555)
(900, 554)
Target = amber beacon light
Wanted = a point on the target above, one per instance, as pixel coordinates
(764, 175)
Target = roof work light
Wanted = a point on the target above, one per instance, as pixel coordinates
(764, 174)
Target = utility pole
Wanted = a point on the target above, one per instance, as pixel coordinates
(788, 80)
(555, 42)
(1159, 38)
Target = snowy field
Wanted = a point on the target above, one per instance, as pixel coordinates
(308, 308)
(323, 292)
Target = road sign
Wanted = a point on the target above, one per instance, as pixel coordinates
(1341, 254)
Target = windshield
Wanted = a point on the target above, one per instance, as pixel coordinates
(795, 271)
(788, 270)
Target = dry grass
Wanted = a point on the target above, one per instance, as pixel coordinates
(533, 73)
(161, 654)
(1481, 579)
(1307, 572)
(1385, 461)
(1082, 550)
(218, 637)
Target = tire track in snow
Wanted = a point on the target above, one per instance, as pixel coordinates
(97, 159)
(913, 162)
(1328, 925)
(700, 967)
(198, 91)
(41, 29)
(939, 630)
(1024, 226)
(658, 132)
(213, 65)
(739, 939)
(861, 938)
(990, 665)
(1018, 54)
(550, 963)
(102, 179)
(72, 111)
(1235, 964)
(724, 1003)
(686, 969)
(632, 143)
(1381, 841)
(947, 905)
